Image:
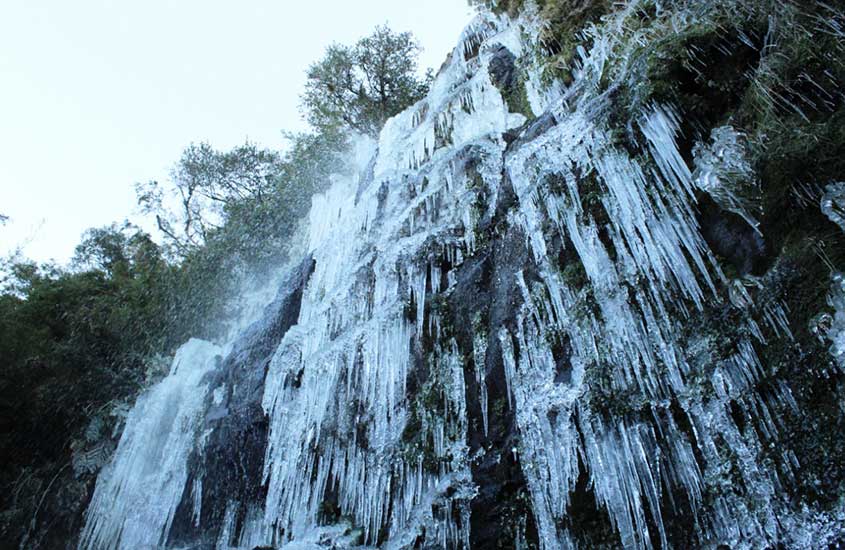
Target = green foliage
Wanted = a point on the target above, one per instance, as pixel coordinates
(358, 88)
(516, 98)
(562, 34)
(559, 13)
(511, 7)
(74, 339)
(235, 214)
(205, 184)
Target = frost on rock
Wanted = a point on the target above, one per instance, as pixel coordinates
(836, 332)
(833, 203)
(137, 493)
(343, 425)
(828, 326)
(723, 171)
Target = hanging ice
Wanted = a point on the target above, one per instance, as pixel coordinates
(492, 292)
(833, 203)
(722, 170)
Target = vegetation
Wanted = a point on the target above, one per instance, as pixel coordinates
(360, 87)
(73, 340)
(77, 340)
(516, 98)
(208, 183)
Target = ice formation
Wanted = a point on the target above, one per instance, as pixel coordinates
(833, 203)
(370, 395)
(833, 206)
(137, 494)
(724, 172)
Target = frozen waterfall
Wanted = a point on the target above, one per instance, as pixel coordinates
(498, 316)
(137, 494)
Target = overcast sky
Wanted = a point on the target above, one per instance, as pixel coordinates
(98, 95)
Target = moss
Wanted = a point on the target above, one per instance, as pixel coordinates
(574, 275)
(430, 404)
(438, 304)
(788, 100)
(586, 306)
(591, 192)
(516, 98)
(409, 310)
(566, 19)
(514, 515)
(499, 407)
(605, 400)
(442, 136)
(799, 154)
(415, 445)
(329, 512)
(510, 7)
(703, 69)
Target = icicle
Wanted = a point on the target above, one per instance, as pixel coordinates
(833, 203)
(227, 531)
(600, 377)
(836, 299)
(196, 497)
(724, 172)
(479, 350)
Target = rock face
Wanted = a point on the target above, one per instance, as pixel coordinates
(229, 468)
(540, 315)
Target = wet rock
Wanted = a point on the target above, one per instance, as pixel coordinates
(231, 465)
(486, 294)
(530, 131)
(502, 68)
(731, 237)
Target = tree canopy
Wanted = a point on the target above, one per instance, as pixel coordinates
(204, 183)
(359, 87)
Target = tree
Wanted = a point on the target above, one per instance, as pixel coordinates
(358, 88)
(75, 338)
(205, 183)
(118, 251)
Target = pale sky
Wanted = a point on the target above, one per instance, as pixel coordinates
(98, 95)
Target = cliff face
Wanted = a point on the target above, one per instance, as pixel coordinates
(585, 294)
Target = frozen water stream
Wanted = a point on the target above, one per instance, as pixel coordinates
(367, 396)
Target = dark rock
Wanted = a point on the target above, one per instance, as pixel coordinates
(486, 290)
(502, 69)
(530, 131)
(231, 464)
(730, 236)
